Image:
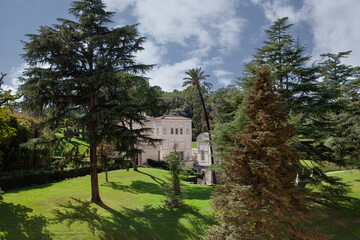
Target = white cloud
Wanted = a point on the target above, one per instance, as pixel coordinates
(115, 5)
(170, 76)
(335, 27)
(334, 23)
(200, 29)
(275, 9)
(224, 77)
(189, 23)
(152, 53)
(11, 81)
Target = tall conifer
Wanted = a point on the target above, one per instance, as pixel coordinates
(76, 64)
(259, 198)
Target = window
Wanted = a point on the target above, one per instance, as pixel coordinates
(202, 155)
(172, 131)
(164, 131)
(181, 131)
(176, 131)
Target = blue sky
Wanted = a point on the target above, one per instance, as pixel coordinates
(218, 35)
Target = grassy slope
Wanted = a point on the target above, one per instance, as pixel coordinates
(342, 221)
(133, 209)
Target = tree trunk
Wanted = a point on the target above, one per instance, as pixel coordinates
(208, 127)
(95, 195)
(134, 163)
(106, 174)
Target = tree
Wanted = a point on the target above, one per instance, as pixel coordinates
(340, 91)
(195, 76)
(228, 117)
(147, 99)
(259, 198)
(174, 195)
(306, 100)
(76, 64)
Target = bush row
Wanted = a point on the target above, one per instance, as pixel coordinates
(36, 177)
(158, 164)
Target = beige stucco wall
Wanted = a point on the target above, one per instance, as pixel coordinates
(179, 136)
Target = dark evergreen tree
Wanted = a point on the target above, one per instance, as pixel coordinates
(285, 56)
(173, 191)
(306, 99)
(340, 84)
(259, 198)
(228, 117)
(76, 65)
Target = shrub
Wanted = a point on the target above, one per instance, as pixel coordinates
(187, 171)
(158, 164)
(173, 191)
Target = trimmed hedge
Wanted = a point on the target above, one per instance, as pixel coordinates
(22, 179)
(158, 164)
(190, 179)
(187, 171)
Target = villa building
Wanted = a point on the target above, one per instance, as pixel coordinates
(203, 158)
(175, 131)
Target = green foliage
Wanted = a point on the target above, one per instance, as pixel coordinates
(259, 198)
(187, 171)
(173, 192)
(196, 81)
(91, 68)
(158, 164)
(340, 90)
(228, 115)
(15, 156)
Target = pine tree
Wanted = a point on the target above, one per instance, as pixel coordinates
(341, 86)
(259, 198)
(76, 65)
(285, 57)
(307, 101)
(173, 191)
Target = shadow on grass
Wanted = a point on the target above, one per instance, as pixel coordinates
(339, 219)
(148, 223)
(138, 186)
(24, 189)
(17, 222)
(155, 179)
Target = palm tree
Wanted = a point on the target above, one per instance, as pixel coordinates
(195, 76)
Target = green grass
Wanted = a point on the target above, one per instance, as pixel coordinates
(133, 209)
(342, 220)
(325, 166)
(194, 145)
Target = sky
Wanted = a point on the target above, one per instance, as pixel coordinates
(218, 35)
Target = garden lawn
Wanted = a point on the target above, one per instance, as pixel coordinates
(341, 221)
(133, 209)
